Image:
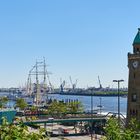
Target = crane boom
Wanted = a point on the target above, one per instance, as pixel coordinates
(73, 84)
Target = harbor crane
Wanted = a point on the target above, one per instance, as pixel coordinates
(100, 85)
(73, 84)
(62, 84)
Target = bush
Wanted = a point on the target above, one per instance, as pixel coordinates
(19, 132)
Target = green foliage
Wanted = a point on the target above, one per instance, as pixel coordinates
(57, 108)
(75, 107)
(34, 108)
(112, 130)
(19, 132)
(60, 108)
(21, 103)
(3, 101)
(115, 132)
(134, 125)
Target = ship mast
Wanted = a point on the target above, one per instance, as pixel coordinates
(37, 86)
(44, 83)
(39, 69)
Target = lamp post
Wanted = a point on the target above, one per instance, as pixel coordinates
(91, 116)
(118, 81)
(100, 105)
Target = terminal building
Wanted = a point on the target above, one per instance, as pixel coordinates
(133, 103)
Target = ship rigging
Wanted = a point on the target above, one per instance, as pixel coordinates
(36, 89)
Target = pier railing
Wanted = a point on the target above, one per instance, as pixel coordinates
(122, 117)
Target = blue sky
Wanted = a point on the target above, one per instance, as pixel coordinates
(78, 38)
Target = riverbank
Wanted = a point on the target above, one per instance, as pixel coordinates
(96, 93)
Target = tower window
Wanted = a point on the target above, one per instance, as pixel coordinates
(134, 75)
(130, 112)
(137, 49)
(136, 112)
(134, 98)
(133, 113)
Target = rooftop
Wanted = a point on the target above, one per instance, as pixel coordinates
(137, 38)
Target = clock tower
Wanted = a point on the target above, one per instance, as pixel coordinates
(133, 103)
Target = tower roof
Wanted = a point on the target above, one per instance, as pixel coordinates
(137, 38)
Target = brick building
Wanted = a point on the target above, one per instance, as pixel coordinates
(133, 103)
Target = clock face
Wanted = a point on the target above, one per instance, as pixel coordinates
(135, 64)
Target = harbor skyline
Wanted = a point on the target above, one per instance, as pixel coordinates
(81, 39)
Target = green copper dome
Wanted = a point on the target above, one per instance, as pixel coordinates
(137, 38)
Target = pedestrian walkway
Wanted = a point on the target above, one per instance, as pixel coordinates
(87, 137)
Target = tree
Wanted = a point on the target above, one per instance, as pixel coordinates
(3, 101)
(74, 107)
(21, 104)
(34, 108)
(57, 108)
(112, 129)
(114, 132)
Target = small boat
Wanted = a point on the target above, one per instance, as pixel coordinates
(100, 106)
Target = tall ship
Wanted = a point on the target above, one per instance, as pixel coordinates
(39, 85)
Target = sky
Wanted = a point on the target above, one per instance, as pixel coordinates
(78, 38)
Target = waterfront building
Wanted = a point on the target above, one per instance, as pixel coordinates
(133, 103)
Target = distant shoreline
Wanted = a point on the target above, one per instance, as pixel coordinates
(94, 94)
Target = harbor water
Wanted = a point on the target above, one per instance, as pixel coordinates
(108, 104)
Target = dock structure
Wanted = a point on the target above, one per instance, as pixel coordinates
(46, 122)
(102, 120)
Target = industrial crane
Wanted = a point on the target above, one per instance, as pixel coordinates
(73, 84)
(62, 84)
(100, 86)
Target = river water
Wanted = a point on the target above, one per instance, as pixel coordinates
(109, 104)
